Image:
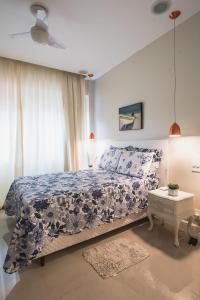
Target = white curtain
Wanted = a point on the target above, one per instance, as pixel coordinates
(8, 125)
(41, 121)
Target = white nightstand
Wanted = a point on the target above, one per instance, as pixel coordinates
(171, 209)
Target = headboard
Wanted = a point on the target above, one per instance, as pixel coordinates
(101, 145)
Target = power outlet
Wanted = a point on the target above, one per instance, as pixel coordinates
(196, 167)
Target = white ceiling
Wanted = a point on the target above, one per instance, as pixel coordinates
(99, 34)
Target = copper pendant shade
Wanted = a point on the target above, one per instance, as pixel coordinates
(91, 136)
(175, 130)
(174, 14)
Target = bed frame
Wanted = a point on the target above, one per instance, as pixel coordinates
(66, 240)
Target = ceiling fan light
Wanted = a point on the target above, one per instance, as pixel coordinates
(175, 130)
(39, 35)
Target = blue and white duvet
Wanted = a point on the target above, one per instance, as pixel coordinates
(50, 205)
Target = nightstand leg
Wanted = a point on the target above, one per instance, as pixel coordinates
(150, 220)
(176, 241)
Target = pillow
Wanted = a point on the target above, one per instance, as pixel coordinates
(128, 148)
(110, 158)
(135, 164)
(157, 154)
(157, 157)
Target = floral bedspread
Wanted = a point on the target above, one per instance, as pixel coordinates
(49, 205)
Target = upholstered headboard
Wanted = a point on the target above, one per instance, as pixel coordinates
(152, 144)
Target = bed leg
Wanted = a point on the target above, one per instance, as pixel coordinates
(42, 261)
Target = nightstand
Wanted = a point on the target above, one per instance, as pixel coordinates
(172, 209)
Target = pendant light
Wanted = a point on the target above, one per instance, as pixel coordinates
(175, 130)
(91, 136)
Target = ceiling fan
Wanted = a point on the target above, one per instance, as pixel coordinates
(40, 31)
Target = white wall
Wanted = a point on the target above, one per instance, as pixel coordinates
(182, 153)
(147, 76)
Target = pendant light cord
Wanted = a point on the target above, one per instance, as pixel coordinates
(174, 70)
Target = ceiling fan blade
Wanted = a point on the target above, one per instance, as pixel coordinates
(41, 24)
(19, 34)
(53, 43)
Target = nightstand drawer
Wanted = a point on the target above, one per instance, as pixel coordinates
(161, 205)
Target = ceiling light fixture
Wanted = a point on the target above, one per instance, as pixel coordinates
(88, 76)
(175, 130)
(161, 6)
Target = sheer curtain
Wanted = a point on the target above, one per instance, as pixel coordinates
(8, 125)
(41, 121)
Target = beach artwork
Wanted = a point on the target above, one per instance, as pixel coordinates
(131, 117)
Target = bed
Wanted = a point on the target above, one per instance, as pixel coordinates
(54, 211)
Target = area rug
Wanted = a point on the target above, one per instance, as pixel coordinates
(112, 257)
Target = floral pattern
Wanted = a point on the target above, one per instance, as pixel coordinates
(135, 164)
(128, 148)
(110, 158)
(157, 157)
(49, 205)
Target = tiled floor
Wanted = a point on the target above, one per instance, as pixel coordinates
(169, 273)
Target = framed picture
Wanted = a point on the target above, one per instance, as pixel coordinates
(131, 117)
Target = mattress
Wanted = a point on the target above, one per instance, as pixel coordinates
(50, 205)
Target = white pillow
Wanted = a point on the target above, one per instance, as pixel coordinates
(110, 158)
(135, 164)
